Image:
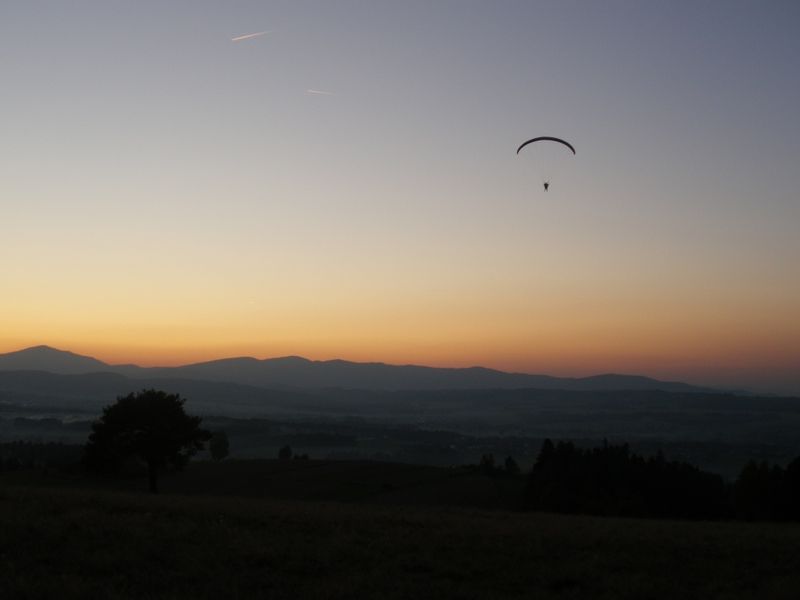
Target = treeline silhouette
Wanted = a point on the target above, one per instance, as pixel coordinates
(611, 480)
(38, 455)
(764, 492)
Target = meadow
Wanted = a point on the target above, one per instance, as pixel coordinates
(359, 530)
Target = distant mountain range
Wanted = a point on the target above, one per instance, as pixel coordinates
(294, 372)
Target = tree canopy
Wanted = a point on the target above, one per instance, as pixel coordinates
(151, 426)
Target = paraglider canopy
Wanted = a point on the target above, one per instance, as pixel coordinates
(545, 167)
(546, 138)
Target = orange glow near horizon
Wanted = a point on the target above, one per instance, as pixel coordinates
(480, 312)
(475, 314)
(574, 327)
(699, 346)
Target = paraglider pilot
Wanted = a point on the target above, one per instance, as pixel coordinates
(550, 139)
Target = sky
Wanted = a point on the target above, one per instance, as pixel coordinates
(344, 184)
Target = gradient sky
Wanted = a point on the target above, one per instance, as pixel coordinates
(345, 185)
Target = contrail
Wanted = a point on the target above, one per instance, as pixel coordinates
(250, 36)
(320, 93)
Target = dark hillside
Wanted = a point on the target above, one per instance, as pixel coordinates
(61, 543)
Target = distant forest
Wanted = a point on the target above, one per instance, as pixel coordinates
(609, 480)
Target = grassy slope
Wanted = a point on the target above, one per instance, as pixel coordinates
(69, 542)
(311, 480)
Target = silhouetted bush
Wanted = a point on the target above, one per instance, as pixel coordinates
(219, 445)
(511, 466)
(487, 464)
(489, 467)
(285, 453)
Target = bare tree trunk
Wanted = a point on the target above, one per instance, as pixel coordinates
(152, 471)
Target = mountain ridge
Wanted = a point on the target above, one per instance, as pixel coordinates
(296, 372)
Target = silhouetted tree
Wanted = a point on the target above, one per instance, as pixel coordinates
(762, 492)
(285, 453)
(792, 488)
(511, 466)
(219, 446)
(487, 464)
(150, 425)
(751, 492)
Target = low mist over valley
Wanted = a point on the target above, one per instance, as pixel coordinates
(461, 415)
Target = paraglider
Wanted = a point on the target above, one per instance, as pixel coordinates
(546, 138)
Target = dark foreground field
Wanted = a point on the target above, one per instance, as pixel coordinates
(69, 541)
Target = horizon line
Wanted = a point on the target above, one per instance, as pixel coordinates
(389, 364)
